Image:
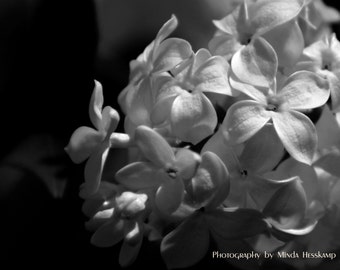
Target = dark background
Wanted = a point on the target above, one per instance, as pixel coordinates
(50, 52)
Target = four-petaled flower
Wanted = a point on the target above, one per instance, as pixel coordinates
(160, 56)
(275, 21)
(163, 170)
(323, 58)
(117, 215)
(94, 144)
(301, 91)
(181, 101)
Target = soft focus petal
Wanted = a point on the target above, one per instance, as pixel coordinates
(238, 224)
(292, 168)
(129, 253)
(105, 192)
(212, 76)
(83, 141)
(335, 194)
(96, 104)
(93, 170)
(109, 234)
(218, 145)
(169, 195)
(139, 175)
(162, 109)
(219, 176)
(263, 151)
(297, 133)
(110, 120)
(256, 63)
(193, 117)
(187, 244)
(330, 163)
(299, 231)
(289, 48)
(287, 207)
(99, 219)
(170, 53)
(261, 189)
(334, 83)
(256, 93)
(187, 163)
(244, 119)
(304, 90)
(267, 14)
(141, 103)
(224, 45)
(328, 129)
(130, 204)
(154, 147)
(166, 29)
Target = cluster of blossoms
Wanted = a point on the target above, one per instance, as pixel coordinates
(236, 145)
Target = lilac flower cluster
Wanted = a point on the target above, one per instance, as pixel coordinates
(223, 144)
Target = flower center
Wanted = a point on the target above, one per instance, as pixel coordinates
(245, 38)
(172, 172)
(244, 173)
(273, 103)
(327, 59)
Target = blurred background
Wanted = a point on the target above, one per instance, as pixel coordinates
(50, 53)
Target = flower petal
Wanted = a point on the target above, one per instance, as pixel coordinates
(139, 175)
(129, 253)
(93, 170)
(93, 204)
(219, 176)
(141, 103)
(267, 14)
(169, 196)
(297, 133)
(109, 234)
(110, 120)
(287, 207)
(263, 151)
(170, 53)
(236, 225)
(330, 163)
(244, 119)
(304, 90)
(187, 244)
(226, 152)
(162, 109)
(256, 63)
(262, 189)
(334, 83)
(256, 93)
(193, 117)
(166, 29)
(212, 76)
(83, 141)
(187, 163)
(289, 48)
(96, 104)
(328, 129)
(154, 147)
(224, 45)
